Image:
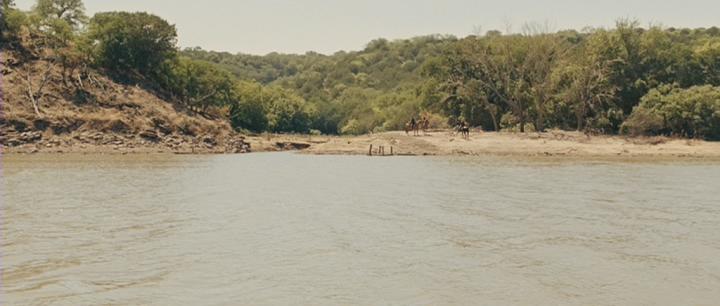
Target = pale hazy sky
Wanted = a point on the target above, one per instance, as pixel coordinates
(326, 26)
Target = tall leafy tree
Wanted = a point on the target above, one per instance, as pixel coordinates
(250, 109)
(708, 57)
(11, 20)
(583, 84)
(198, 85)
(71, 11)
(132, 42)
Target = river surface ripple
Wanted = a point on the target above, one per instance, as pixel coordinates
(282, 229)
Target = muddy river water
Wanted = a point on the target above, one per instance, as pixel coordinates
(289, 229)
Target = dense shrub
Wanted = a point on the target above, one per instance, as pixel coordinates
(288, 112)
(11, 22)
(197, 84)
(693, 112)
(249, 111)
(258, 108)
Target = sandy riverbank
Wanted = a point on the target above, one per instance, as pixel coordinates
(438, 143)
(553, 143)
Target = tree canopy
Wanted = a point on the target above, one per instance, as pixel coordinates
(602, 80)
(131, 42)
(71, 11)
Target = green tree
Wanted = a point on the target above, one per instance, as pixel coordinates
(5, 7)
(12, 21)
(708, 56)
(621, 49)
(583, 83)
(513, 70)
(71, 11)
(132, 42)
(288, 112)
(198, 85)
(249, 111)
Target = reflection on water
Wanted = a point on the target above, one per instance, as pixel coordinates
(295, 229)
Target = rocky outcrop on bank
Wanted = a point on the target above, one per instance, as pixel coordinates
(98, 142)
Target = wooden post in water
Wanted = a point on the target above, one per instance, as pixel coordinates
(370, 152)
(391, 151)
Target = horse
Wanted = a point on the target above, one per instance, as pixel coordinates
(410, 126)
(463, 129)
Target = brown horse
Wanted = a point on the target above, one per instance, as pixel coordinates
(415, 128)
(425, 125)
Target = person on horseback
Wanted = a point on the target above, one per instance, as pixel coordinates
(414, 125)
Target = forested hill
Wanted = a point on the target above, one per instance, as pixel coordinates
(263, 69)
(380, 87)
(382, 64)
(627, 79)
(619, 80)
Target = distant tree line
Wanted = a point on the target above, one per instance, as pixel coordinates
(596, 80)
(628, 79)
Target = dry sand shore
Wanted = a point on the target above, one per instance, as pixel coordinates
(439, 143)
(552, 143)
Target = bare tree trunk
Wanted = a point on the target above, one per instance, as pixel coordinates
(540, 120)
(36, 95)
(64, 75)
(539, 125)
(31, 95)
(492, 110)
(493, 115)
(522, 118)
(580, 120)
